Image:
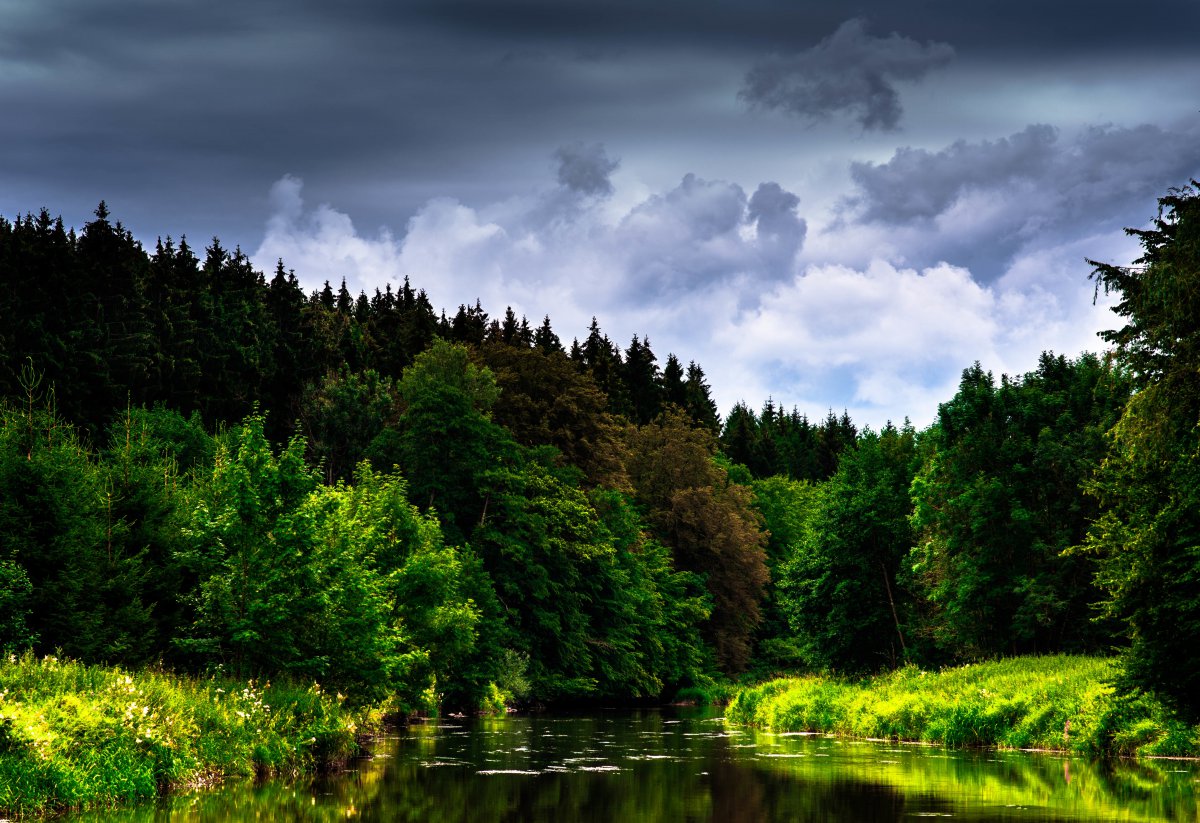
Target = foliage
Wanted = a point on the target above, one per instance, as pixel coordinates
(788, 509)
(342, 416)
(708, 522)
(838, 585)
(779, 443)
(545, 401)
(447, 441)
(83, 537)
(538, 525)
(349, 586)
(73, 735)
(997, 503)
(1058, 702)
(1147, 537)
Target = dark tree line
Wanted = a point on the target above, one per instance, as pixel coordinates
(109, 325)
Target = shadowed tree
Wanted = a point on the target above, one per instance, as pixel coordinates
(1148, 534)
(708, 522)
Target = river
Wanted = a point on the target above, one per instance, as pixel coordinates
(685, 765)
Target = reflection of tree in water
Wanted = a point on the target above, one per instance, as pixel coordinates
(676, 769)
(746, 794)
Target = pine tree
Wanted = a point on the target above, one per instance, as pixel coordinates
(545, 339)
(1148, 533)
(698, 403)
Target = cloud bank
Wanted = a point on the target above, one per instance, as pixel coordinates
(987, 204)
(726, 277)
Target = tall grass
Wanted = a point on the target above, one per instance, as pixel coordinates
(1061, 703)
(74, 735)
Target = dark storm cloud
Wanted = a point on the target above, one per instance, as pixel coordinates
(202, 106)
(192, 109)
(919, 185)
(977, 204)
(585, 169)
(1067, 26)
(849, 72)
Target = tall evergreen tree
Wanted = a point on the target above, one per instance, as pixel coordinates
(698, 402)
(641, 378)
(673, 391)
(545, 339)
(1148, 534)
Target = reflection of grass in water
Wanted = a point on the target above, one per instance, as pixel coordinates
(1016, 703)
(971, 780)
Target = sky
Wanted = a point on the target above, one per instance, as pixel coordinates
(832, 205)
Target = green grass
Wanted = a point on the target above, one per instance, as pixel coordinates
(1019, 703)
(75, 736)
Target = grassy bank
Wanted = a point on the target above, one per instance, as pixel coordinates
(1059, 703)
(75, 736)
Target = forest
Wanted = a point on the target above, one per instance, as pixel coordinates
(204, 468)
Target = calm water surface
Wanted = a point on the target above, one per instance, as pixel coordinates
(687, 766)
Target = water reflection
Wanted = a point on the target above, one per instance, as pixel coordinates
(688, 766)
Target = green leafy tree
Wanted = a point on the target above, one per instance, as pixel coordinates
(838, 586)
(446, 440)
(660, 608)
(343, 414)
(543, 547)
(788, 508)
(250, 549)
(997, 503)
(394, 615)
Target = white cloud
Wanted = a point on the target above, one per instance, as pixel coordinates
(323, 244)
(713, 275)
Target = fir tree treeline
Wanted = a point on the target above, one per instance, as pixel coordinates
(206, 466)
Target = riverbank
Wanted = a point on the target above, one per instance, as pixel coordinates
(1058, 703)
(75, 736)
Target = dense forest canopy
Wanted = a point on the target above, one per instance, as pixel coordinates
(205, 466)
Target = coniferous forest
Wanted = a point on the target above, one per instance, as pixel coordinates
(204, 467)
